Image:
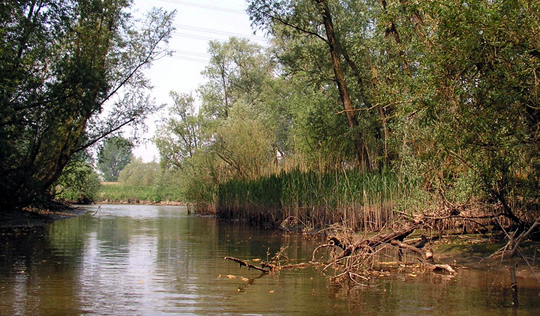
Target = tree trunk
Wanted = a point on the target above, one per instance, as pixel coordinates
(360, 149)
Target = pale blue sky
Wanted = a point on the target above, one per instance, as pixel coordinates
(197, 22)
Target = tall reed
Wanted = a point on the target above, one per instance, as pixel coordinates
(358, 200)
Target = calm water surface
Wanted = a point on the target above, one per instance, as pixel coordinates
(148, 260)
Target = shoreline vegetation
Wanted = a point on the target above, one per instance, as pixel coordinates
(387, 127)
(370, 225)
(362, 215)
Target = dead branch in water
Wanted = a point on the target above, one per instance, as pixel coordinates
(369, 244)
(512, 247)
(250, 266)
(510, 250)
(355, 255)
(267, 267)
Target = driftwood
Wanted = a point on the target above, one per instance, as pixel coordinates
(358, 252)
(438, 267)
(267, 267)
(371, 243)
(424, 255)
(250, 266)
(510, 250)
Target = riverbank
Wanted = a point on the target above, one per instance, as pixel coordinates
(120, 193)
(31, 217)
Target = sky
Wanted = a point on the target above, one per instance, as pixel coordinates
(197, 22)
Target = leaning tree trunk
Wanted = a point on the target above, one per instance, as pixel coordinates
(361, 152)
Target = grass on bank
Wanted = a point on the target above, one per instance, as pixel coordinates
(116, 192)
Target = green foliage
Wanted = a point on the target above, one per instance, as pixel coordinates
(61, 62)
(139, 174)
(479, 117)
(244, 146)
(229, 137)
(141, 181)
(114, 157)
(237, 72)
(116, 193)
(179, 136)
(444, 104)
(79, 182)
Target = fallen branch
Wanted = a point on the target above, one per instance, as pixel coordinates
(267, 267)
(423, 255)
(435, 267)
(522, 237)
(295, 266)
(250, 266)
(373, 242)
(514, 243)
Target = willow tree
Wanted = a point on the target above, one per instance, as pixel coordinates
(236, 78)
(315, 36)
(236, 73)
(473, 99)
(61, 63)
(180, 134)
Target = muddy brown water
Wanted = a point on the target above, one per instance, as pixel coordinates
(155, 260)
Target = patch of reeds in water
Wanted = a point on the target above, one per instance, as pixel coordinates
(361, 201)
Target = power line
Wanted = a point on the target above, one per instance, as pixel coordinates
(187, 58)
(185, 52)
(212, 31)
(204, 6)
(198, 37)
(208, 38)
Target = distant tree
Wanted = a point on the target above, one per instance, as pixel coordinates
(236, 73)
(232, 110)
(115, 155)
(179, 136)
(140, 174)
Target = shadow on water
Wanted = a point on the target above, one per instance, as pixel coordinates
(146, 260)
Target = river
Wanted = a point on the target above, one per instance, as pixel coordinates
(154, 260)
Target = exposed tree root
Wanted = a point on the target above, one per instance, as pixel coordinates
(509, 251)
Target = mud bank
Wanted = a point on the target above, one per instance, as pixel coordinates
(31, 217)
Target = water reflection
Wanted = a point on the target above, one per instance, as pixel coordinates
(146, 260)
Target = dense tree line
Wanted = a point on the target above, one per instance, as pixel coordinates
(70, 75)
(442, 92)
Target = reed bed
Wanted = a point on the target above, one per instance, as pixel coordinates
(361, 201)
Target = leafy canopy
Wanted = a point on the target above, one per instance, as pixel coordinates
(62, 64)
